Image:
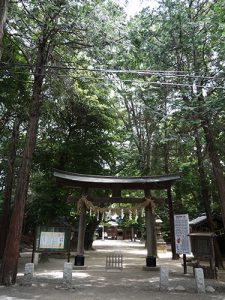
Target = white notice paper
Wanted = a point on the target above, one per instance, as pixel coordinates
(181, 230)
(52, 240)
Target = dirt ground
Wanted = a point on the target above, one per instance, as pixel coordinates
(97, 283)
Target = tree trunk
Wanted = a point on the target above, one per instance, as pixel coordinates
(205, 197)
(170, 203)
(5, 219)
(171, 218)
(169, 192)
(203, 182)
(8, 270)
(89, 234)
(216, 165)
(3, 13)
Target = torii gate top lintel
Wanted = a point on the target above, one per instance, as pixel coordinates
(114, 182)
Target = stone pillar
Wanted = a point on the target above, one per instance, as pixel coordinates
(150, 235)
(200, 281)
(67, 274)
(164, 279)
(79, 258)
(36, 258)
(28, 274)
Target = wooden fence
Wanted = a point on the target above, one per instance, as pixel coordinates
(114, 261)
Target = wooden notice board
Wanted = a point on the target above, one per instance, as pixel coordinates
(52, 239)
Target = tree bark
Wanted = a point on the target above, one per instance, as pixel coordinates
(169, 192)
(171, 217)
(89, 234)
(5, 219)
(3, 13)
(216, 165)
(8, 270)
(203, 182)
(205, 196)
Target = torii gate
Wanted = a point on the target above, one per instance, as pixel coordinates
(116, 185)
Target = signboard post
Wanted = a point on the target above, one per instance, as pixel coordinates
(182, 240)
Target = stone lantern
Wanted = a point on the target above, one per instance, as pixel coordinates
(161, 244)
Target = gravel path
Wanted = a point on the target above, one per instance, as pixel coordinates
(95, 283)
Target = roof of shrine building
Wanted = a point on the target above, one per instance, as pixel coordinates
(69, 179)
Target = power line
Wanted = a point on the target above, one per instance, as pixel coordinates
(159, 73)
(162, 73)
(142, 82)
